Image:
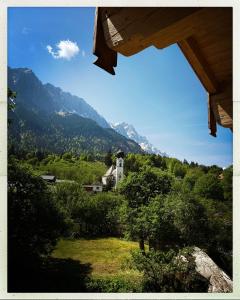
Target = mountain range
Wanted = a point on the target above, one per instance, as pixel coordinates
(45, 117)
(48, 98)
(130, 132)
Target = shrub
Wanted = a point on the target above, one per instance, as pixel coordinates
(169, 271)
(114, 285)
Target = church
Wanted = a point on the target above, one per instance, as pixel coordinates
(115, 173)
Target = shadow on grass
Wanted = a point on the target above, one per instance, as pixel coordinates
(53, 275)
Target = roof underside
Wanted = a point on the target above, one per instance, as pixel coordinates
(204, 35)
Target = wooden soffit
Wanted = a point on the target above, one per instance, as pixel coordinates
(204, 35)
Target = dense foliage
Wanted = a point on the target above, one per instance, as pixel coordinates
(93, 215)
(162, 203)
(34, 222)
(209, 186)
(169, 272)
(139, 188)
(29, 203)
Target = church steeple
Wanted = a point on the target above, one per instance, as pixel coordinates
(119, 166)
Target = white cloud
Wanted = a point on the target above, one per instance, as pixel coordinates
(83, 53)
(65, 49)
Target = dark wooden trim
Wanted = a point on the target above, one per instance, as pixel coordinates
(212, 124)
(107, 58)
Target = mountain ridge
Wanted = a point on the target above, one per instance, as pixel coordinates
(46, 99)
(41, 121)
(53, 99)
(130, 132)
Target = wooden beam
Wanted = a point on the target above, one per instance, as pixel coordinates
(132, 29)
(107, 58)
(222, 105)
(199, 64)
(212, 125)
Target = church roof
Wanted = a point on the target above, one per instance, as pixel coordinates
(110, 172)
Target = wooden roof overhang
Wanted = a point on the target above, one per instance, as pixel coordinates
(204, 35)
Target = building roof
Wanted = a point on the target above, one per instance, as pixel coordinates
(48, 177)
(110, 171)
(204, 35)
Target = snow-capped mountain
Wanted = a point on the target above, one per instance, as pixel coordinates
(130, 132)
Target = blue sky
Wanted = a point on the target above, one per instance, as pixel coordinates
(154, 90)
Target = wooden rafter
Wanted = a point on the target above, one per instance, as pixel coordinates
(199, 64)
(204, 35)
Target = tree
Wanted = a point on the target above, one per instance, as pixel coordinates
(189, 218)
(179, 169)
(34, 221)
(227, 183)
(67, 156)
(158, 161)
(69, 197)
(191, 177)
(108, 159)
(131, 163)
(139, 188)
(173, 220)
(209, 186)
(214, 169)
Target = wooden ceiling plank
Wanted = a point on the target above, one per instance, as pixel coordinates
(199, 64)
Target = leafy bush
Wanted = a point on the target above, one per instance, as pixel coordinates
(93, 214)
(99, 215)
(169, 271)
(114, 285)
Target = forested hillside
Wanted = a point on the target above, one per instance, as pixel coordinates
(36, 96)
(48, 119)
(165, 205)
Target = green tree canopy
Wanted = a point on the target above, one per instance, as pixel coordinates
(108, 159)
(191, 177)
(140, 187)
(209, 186)
(34, 221)
(227, 183)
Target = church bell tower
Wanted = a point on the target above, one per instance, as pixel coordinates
(119, 166)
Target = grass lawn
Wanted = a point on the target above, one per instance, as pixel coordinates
(106, 255)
